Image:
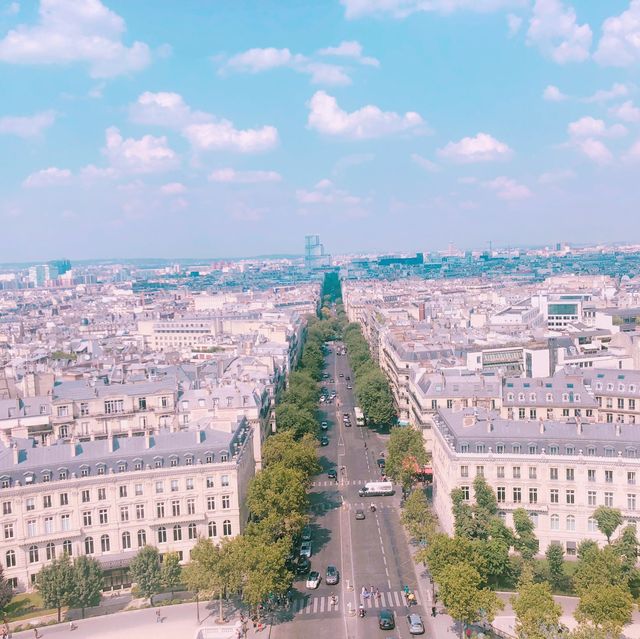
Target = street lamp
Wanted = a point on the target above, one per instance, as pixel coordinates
(198, 607)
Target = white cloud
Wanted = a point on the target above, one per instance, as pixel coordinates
(553, 27)
(554, 177)
(481, 148)
(553, 94)
(619, 45)
(28, 126)
(617, 90)
(47, 177)
(403, 8)
(424, 163)
(633, 154)
(626, 112)
(326, 193)
(230, 175)
(514, 23)
(149, 154)
(589, 127)
(173, 188)
(350, 49)
(368, 122)
(507, 189)
(75, 31)
(165, 109)
(91, 172)
(596, 151)
(326, 74)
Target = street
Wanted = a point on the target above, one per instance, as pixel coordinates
(372, 553)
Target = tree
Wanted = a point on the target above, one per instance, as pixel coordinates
(300, 455)
(464, 598)
(587, 631)
(418, 518)
(6, 591)
(537, 614)
(406, 453)
(486, 502)
(598, 566)
(171, 572)
(55, 583)
(296, 419)
(444, 552)
(606, 606)
(88, 581)
(555, 563)
(585, 547)
(496, 558)
(627, 547)
(374, 396)
(526, 543)
(608, 519)
(146, 571)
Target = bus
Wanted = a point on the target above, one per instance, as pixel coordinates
(360, 420)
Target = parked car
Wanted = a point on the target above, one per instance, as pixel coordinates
(349, 387)
(333, 381)
(313, 580)
(305, 549)
(381, 462)
(324, 425)
(386, 620)
(306, 534)
(302, 566)
(341, 375)
(333, 576)
(324, 441)
(416, 627)
(321, 399)
(359, 513)
(347, 378)
(332, 474)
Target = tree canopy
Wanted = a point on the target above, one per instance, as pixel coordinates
(405, 454)
(537, 614)
(55, 582)
(146, 571)
(608, 520)
(88, 581)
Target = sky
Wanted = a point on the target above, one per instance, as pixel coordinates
(218, 128)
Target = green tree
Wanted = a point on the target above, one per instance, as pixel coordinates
(537, 614)
(55, 583)
(146, 571)
(171, 572)
(374, 397)
(463, 515)
(444, 552)
(6, 591)
(598, 566)
(296, 419)
(465, 599)
(606, 606)
(585, 547)
(587, 631)
(406, 451)
(526, 542)
(418, 518)
(608, 520)
(496, 559)
(88, 581)
(486, 501)
(555, 563)
(302, 455)
(627, 548)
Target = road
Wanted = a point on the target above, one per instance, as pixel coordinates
(370, 553)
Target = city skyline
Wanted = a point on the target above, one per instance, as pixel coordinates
(383, 126)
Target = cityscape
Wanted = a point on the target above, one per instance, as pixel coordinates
(319, 319)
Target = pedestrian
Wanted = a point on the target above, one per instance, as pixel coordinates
(158, 616)
(4, 633)
(36, 633)
(377, 594)
(364, 592)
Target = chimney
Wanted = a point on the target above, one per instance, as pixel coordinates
(541, 427)
(618, 429)
(199, 437)
(578, 426)
(112, 443)
(147, 440)
(15, 452)
(73, 446)
(489, 425)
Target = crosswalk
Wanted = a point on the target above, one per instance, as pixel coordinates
(314, 605)
(346, 482)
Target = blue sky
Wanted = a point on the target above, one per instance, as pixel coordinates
(213, 128)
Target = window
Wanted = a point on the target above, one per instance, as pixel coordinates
(33, 554)
(465, 492)
(137, 465)
(173, 461)
(103, 516)
(50, 550)
(192, 531)
(177, 533)
(500, 472)
(608, 451)
(65, 522)
(10, 559)
(139, 490)
(517, 495)
(208, 459)
(591, 498)
(139, 511)
(226, 528)
(8, 531)
(88, 546)
(500, 449)
(631, 502)
(142, 403)
(533, 449)
(162, 535)
(30, 503)
(124, 513)
(63, 474)
(608, 476)
(142, 538)
(553, 473)
(84, 409)
(102, 494)
(570, 474)
(449, 403)
(591, 451)
(6, 507)
(189, 483)
(105, 544)
(516, 472)
(212, 529)
(123, 491)
(501, 493)
(608, 499)
(126, 540)
(631, 477)
(210, 483)
(191, 506)
(533, 495)
(591, 474)
(211, 503)
(592, 525)
(160, 509)
(571, 496)
(174, 486)
(480, 471)
(159, 487)
(620, 402)
(48, 525)
(175, 508)
(86, 518)
(157, 463)
(226, 502)
(224, 480)
(521, 413)
(86, 496)
(571, 522)
(112, 406)
(46, 501)
(464, 471)
(32, 528)
(533, 472)
(67, 547)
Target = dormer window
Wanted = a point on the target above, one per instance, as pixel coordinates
(576, 397)
(632, 388)
(188, 460)
(609, 387)
(173, 461)
(102, 469)
(532, 397)
(510, 397)
(63, 473)
(208, 458)
(84, 471)
(598, 386)
(224, 456)
(480, 448)
(621, 387)
(157, 462)
(549, 397)
(201, 403)
(521, 397)
(137, 464)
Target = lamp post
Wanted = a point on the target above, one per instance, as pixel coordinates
(198, 607)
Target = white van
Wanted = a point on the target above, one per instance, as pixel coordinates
(376, 489)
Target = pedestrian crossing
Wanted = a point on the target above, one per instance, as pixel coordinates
(347, 482)
(315, 605)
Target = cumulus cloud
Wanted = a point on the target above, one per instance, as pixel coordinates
(596, 151)
(26, 126)
(619, 45)
(367, 122)
(508, 189)
(514, 23)
(403, 8)
(481, 148)
(149, 154)
(554, 177)
(229, 175)
(588, 127)
(424, 163)
(553, 94)
(70, 31)
(633, 154)
(173, 188)
(165, 109)
(553, 27)
(325, 193)
(617, 90)
(627, 112)
(47, 177)
(350, 49)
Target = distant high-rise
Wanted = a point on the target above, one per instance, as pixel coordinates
(314, 255)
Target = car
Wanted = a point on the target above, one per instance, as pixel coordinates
(305, 549)
(347, 424)
(416, 627)
(313, 580)
(302, 566)
(359, 513)
(386, 620)
(324, 425)
(332, 381)
(341, 375)
(381, 462)
(349, 387)
(324, 441)
(325, 375)
(333, 576)
(332, 474)
(306, 534)
(348, 378)
(383, 472)
(345, 415)
(321, 398)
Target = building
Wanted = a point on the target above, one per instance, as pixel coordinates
(108, 498)
(314, 255)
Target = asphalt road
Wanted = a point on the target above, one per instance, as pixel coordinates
(368, 553)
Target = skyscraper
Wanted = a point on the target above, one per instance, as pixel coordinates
(314, 255)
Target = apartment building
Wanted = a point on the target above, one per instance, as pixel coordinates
(617, 393)
(108, 498)
(176, 334)
(559, 472)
